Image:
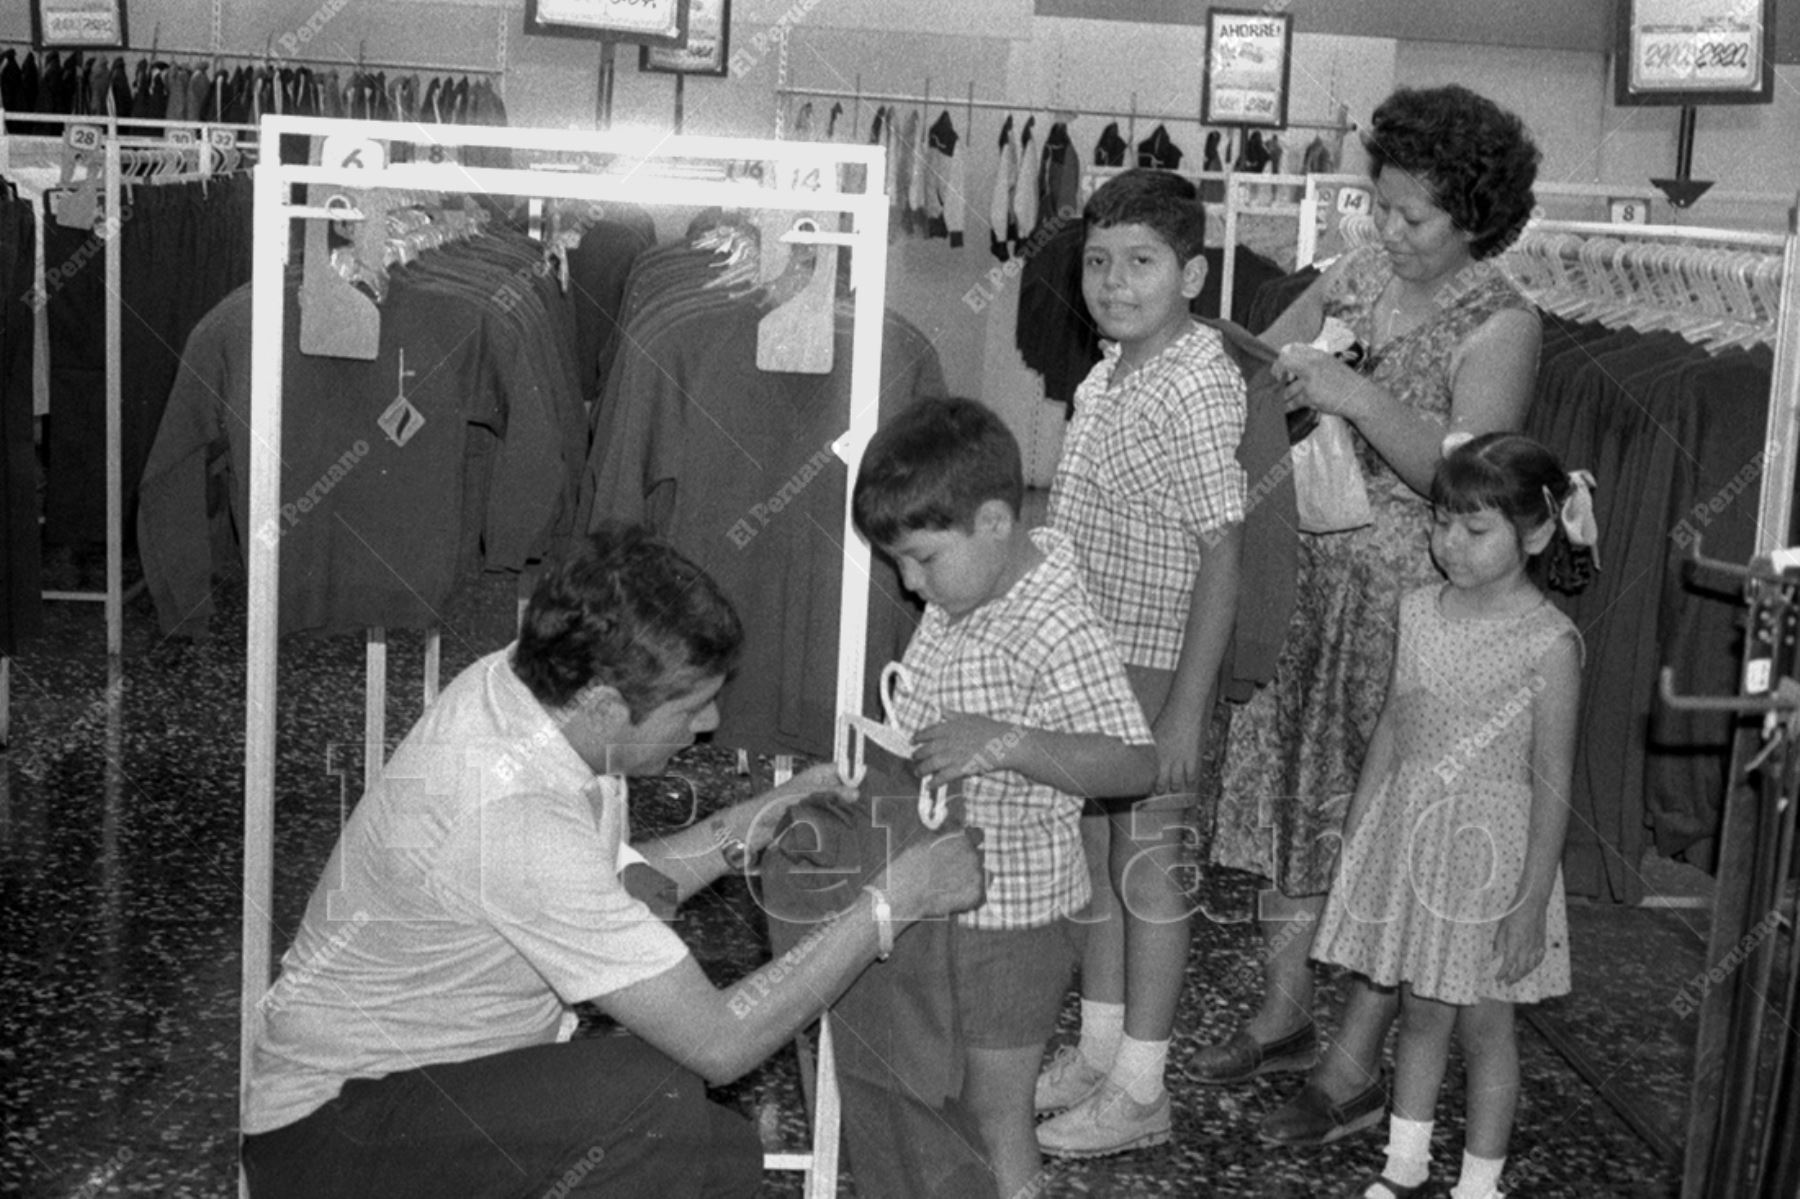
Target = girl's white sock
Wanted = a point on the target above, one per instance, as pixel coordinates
(1480, 1177)
(1138, 1068)
(1408, 1151)
(1102, 1024)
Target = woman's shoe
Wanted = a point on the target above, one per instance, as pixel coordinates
(1241, 1057)
(1311, 1118)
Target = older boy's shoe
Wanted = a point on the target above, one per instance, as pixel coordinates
(1241, 1057)
(1311, 1118)
(1066, 1081)
(1389, 1190)
(1107, 1122)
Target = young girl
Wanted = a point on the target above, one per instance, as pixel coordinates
(1451, 884)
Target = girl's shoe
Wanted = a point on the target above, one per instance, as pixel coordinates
(1107, 1122)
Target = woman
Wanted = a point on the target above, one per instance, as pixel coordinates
(1450, 346)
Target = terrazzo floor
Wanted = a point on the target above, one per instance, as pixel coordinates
(120, 862)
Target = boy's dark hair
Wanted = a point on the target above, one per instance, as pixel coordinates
(629, 612)
(932, 467)
(1160, 200)
(1524, 482)
(1476, 157)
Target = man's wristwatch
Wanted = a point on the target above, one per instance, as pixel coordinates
(732, 850)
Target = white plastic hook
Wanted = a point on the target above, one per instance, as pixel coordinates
(934, 804)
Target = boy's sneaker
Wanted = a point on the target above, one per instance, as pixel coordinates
(1066, 1081)
(1107, 1122)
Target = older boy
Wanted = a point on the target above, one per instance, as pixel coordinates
(1150, 492)
(483, 886)
(1017, 690)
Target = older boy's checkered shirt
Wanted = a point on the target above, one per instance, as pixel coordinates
(1149, 474)
(1037, 656)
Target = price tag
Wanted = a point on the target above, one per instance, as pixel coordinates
(1354, 201)
(1628, 211)
(1712, 58)
(183, 137)
(344, 150)
(85, 138)
(222, 139)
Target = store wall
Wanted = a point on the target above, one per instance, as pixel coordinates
(1040, 54)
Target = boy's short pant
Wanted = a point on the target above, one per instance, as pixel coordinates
(1010, 983)
(1199, 807)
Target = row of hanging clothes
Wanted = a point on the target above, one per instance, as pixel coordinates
(176, 89)
(434, 419)
(715, 426)
(184, 243)
(21, 586)
(1655, 374)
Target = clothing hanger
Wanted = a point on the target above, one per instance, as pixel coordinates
(800, 333)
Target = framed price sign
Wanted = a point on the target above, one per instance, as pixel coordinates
(652, 22)
(1695, 52)
(74, 23)
(708, 43)
(1246, 72)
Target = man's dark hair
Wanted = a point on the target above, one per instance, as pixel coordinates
(1477, 159)
(932, 467)
(629, 612)
(1159, 200)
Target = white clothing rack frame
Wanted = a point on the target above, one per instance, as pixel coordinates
(112, 145)
(641, 185)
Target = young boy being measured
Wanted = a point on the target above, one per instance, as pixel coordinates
(1017, 690)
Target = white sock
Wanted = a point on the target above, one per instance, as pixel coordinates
(1480, 1177)
(1138, 1068)
(1102, 1024)
(1408, 1151)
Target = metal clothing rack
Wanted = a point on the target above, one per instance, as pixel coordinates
(113, 146)
(636, 175)
(269, 56)
(1746, 1089)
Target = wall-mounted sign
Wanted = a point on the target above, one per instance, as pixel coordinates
(76, 23)
(1695, 52)
(653, 22)
(1246, 79)
(708, 43)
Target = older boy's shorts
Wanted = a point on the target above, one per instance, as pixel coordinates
(1010, 983)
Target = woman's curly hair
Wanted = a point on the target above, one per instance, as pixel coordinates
(1476, 157)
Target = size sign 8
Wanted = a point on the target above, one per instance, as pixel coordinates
(1629, 211)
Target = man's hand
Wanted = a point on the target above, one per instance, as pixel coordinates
(961, 745)
(811, 781)
(938, 877)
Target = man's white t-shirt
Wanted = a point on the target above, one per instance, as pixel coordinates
(472, 896)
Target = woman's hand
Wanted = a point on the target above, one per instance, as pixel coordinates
(1312, 378)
